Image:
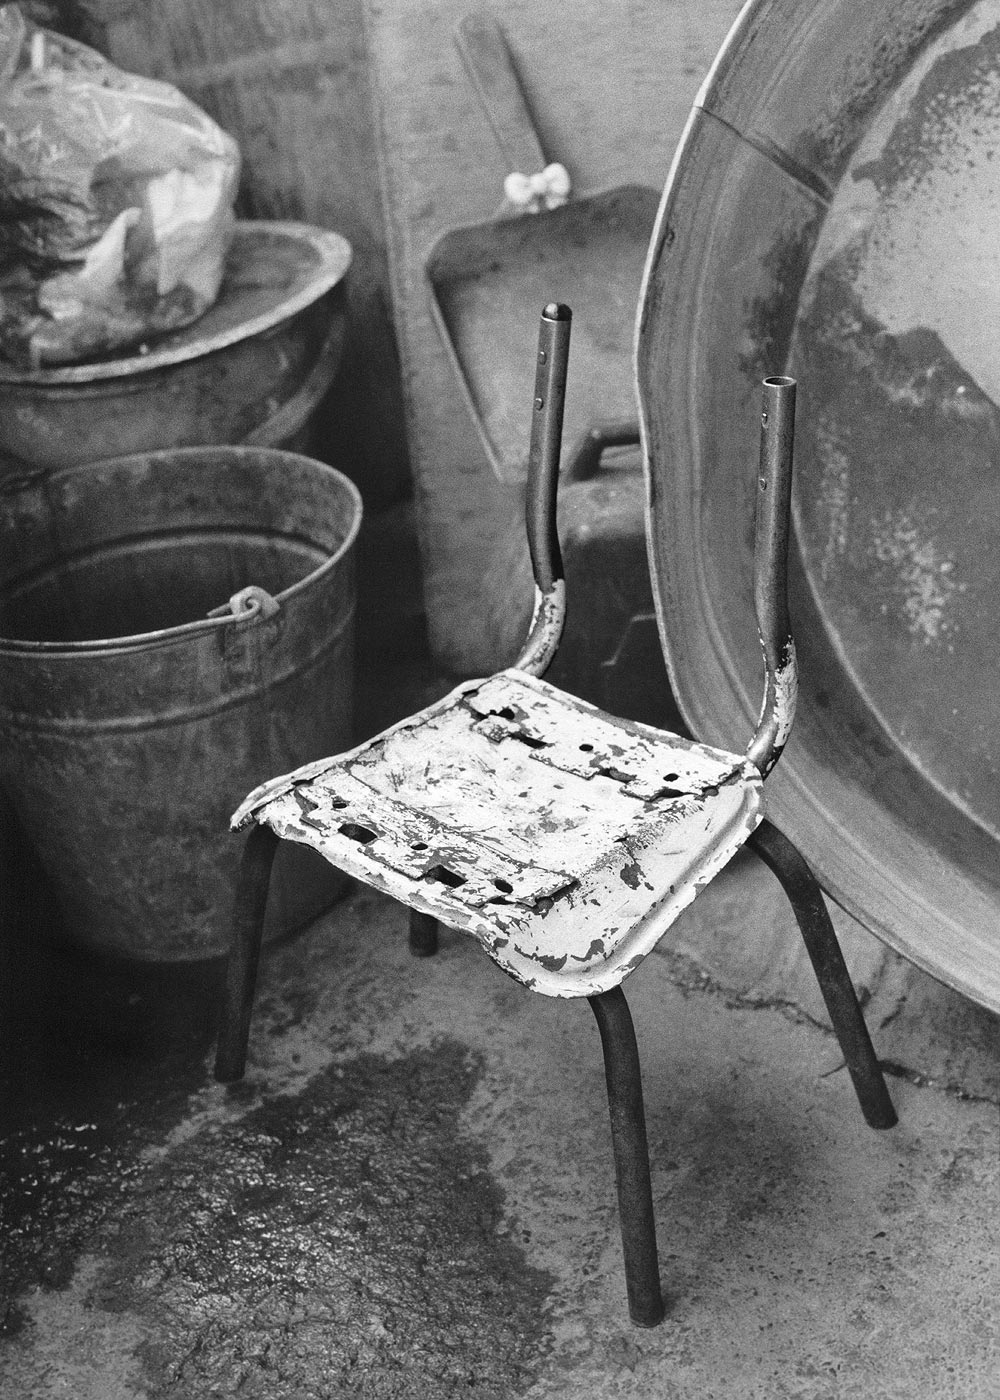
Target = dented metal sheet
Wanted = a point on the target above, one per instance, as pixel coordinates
(566, 841)
(251, 806)
(346, 814)
(573, 735)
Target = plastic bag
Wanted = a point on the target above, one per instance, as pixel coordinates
(116, 197)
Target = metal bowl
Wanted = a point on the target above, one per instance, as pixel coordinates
(827, 216)
(250, 370)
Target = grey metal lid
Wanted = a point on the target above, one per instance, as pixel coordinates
(273, 270)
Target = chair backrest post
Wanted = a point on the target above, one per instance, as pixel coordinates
(773, 509)
(543, 485)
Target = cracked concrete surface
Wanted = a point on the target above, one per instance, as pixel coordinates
(411, 1194)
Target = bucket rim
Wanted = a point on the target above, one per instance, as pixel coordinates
(335, 255)
(165, 636)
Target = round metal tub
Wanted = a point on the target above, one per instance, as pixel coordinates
(133, 722)
(831, 214)
(251, 370)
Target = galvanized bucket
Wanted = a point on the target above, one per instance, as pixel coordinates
(138, 705)
(251, 370)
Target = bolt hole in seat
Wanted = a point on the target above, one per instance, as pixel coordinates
(564, 839)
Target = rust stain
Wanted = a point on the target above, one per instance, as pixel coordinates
(605, 770)
(925, 572)
(307, 807)
(631, 875)
(546, 629)
(596, 950)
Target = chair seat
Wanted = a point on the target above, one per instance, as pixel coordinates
(565, 840)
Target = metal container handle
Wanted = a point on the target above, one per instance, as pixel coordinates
(247, 605)
(584, 459)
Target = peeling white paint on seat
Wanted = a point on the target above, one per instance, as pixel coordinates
(565, 840)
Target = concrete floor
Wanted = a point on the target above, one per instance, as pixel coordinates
(412, 1193)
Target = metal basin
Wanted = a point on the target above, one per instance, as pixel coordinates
(830, 214)
(251, 370)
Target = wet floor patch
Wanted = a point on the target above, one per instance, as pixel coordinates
(348, 1240)
(98, 1061)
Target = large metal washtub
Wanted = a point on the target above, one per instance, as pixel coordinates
(822, 137)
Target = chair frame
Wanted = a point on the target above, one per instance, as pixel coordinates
(610, 1008)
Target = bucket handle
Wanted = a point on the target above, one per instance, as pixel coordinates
(245, 606)
(248, 603)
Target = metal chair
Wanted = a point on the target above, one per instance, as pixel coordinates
(564, 839)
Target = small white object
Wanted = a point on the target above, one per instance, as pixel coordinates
(547, 189)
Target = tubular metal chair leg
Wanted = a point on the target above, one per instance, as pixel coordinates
(241, 973)
(628, 1136)
(806, 899)
(423, 934)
